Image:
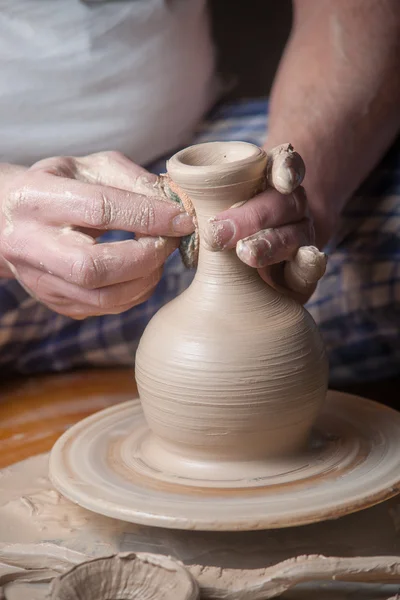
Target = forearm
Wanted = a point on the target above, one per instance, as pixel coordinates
(336, 97)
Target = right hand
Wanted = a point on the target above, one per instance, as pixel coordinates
(51, 215)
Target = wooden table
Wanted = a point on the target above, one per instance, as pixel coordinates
(34, 412)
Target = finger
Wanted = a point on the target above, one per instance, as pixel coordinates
(74, 257)
(285, 168)
(116, 170)
(72, 299)
(272, 246)
(299, 277)
(83, 311)
(305, 270)
(103, 168)
(267, 210)
(273, 276)
(63, 201)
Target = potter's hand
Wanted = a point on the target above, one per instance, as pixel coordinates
(51, 215)
(269, 229)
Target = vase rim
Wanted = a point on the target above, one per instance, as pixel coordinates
(217, 164)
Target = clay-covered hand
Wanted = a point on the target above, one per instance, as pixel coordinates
(274, 227)
(52, 214)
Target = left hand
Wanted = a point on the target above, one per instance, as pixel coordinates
(270, 228)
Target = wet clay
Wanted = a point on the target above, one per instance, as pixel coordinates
(126, 577)
(231, 373)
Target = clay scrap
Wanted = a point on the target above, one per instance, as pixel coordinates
(127, 576)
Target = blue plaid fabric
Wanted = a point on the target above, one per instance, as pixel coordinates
(356, 304)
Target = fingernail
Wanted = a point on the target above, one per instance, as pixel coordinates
(183, 224)
(218, 234)
(254, 251)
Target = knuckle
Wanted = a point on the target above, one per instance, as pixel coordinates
(17, 198)
(145, 217)
(64, 166)
(23, 196)
(86, 272)
(60, 166)
(99, 213)
(258, 215)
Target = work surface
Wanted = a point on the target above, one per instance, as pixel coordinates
(36, 411)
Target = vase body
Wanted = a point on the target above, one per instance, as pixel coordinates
(231, 370)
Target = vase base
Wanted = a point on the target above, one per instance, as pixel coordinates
(151, 459)
(111, 464)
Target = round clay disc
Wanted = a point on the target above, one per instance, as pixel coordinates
(352, 462)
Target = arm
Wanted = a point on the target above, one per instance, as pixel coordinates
(336, 97)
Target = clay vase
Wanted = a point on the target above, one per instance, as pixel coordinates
(231, 374)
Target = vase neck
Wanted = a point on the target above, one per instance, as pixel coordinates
(216, 176)
(224, 268)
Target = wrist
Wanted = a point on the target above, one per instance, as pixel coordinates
(7, 173)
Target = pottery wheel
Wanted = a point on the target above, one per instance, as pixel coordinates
(105, 464)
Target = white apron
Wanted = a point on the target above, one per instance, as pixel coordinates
(80, 77)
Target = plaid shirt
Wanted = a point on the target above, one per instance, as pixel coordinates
(356, 304)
